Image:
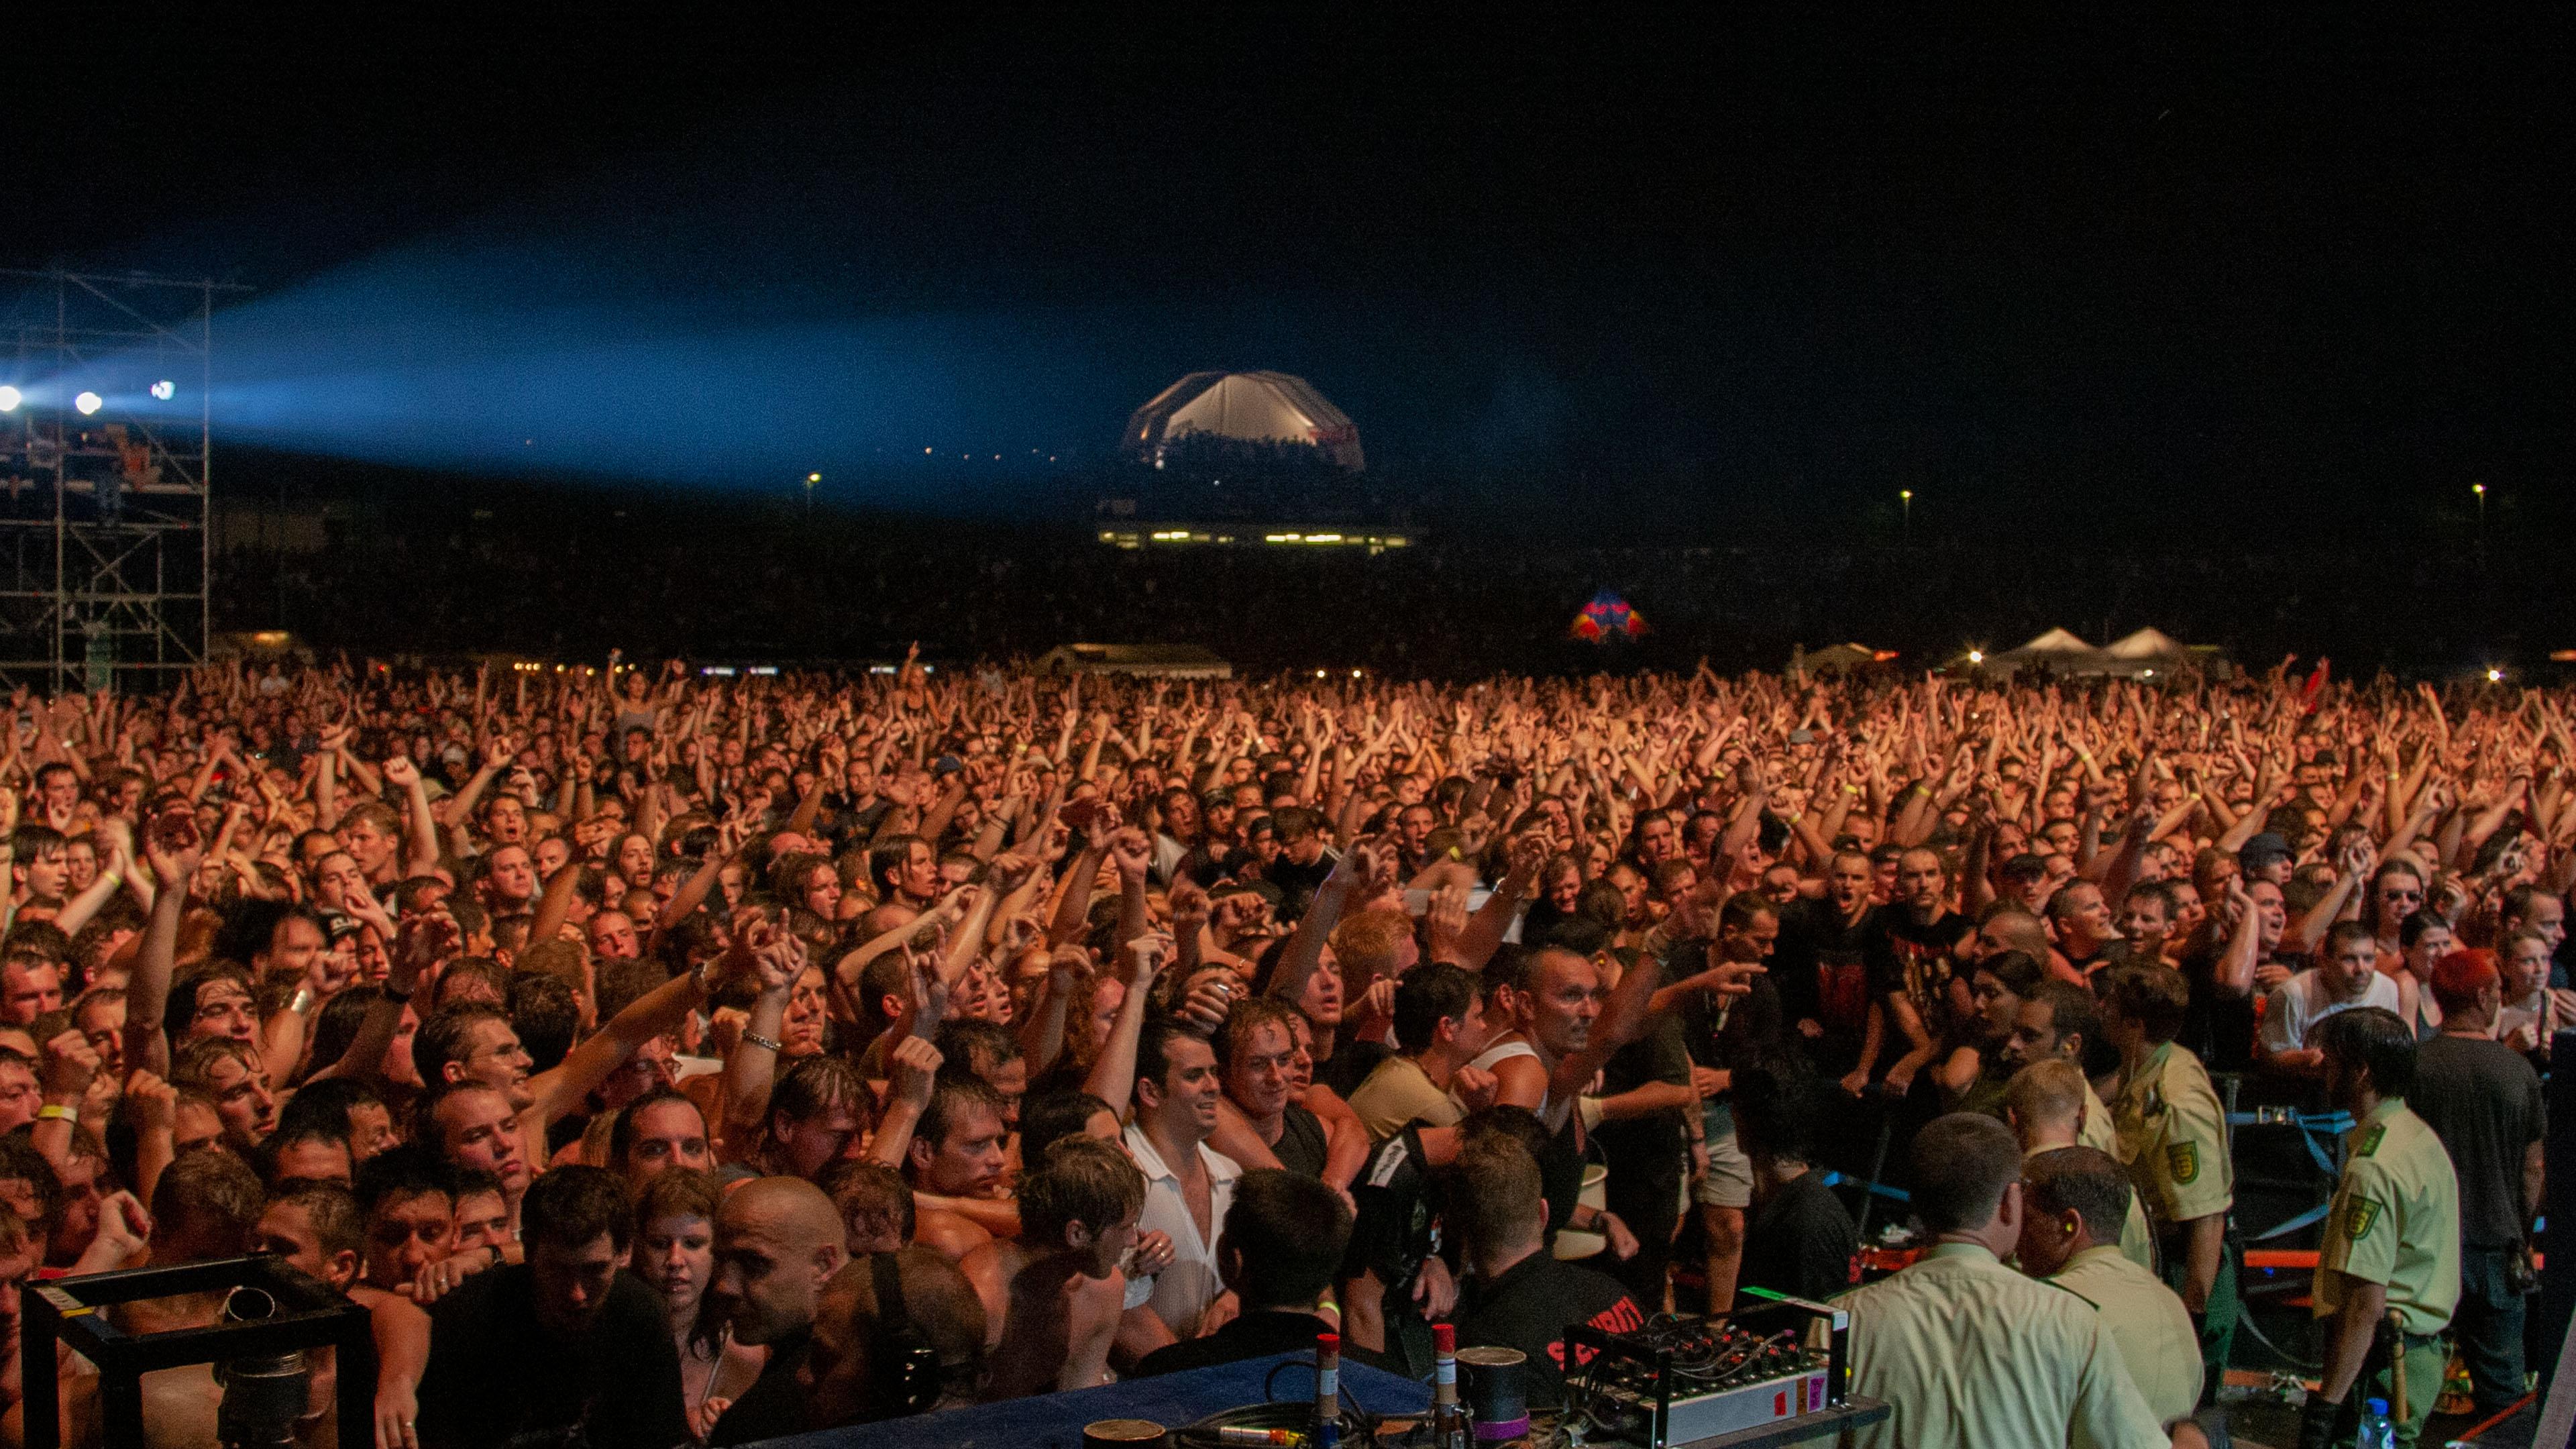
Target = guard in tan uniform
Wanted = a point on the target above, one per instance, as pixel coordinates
(1970, 1354)
(2045, 1105)
(2388, 1272)
(2173, 1139)
(2073, 1198)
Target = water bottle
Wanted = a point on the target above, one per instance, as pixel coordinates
(2376, 1431)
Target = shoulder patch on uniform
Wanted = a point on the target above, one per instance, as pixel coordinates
(2182, 1162)
(2370, 1141)
(2359, 1219)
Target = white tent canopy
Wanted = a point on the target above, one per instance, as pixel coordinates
(2142, 655)
(1246, 407)
(2054, 642)
(2149, 643)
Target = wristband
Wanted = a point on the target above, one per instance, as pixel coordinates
(399, 998)
(756, 1039)
(495, 1250)
(302, 1001)
(52, 1112)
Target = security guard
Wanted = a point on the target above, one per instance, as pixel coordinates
(1967, 1353)
(2173, 1138)
(2392, 1238)
(2074, 1199)
(2045, 1105)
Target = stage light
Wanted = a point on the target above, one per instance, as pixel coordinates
(10, 397)
(89, 402)
(1976, 656)
(2495, 676)
(165, 389)
(813, 477)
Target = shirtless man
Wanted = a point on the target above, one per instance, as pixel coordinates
(1052, 1299)
(956, 1153)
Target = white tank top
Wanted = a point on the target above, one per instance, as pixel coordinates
(1503, 1051)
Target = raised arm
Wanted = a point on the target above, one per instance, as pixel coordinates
(175, 851)
(1303, 956)
(561, 1087)
(1487, 926)
(1113, 1075)
(421, 837)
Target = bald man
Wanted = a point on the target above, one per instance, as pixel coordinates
(847, 1379)
(779, 1240)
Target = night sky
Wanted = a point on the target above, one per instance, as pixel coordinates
(2182, 254)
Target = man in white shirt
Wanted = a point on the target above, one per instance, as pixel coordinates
(2346, 975)
(1188, 1187)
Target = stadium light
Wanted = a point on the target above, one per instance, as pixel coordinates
(165, 389)
(10, 397)
(89, 402)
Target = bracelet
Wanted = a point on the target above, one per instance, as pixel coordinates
(756, 1039)
(302, 1001)
(52, 1112)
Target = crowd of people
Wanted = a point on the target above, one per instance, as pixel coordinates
(663, 1059)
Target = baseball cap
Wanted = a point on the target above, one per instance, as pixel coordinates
(2262, 850)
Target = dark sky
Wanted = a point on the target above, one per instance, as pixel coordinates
(2317, 252)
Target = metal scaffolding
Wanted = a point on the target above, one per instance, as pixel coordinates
(104, 513)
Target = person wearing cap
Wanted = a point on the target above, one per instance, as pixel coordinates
(2266, 857)
(2391, 1247)
(2483, 1100)
(2173, 1139)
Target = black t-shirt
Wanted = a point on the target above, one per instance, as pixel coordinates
(1915, 959)
(1350, 1065)
(775, 1403)
(496, 1378)
(1647, 1147)
(1301, 1145)
(1259, 1333)
(1821, 969)
(1801, 1242)
(2216, 1027)
(1296, 884)
(2484, 1101)
(1528, 1307)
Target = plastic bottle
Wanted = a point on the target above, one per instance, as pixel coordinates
(1327, 1431)
(2376, 1431)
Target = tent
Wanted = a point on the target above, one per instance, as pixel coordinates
(1152, 661)
(2149, 644)
(1838, 658)
(1244, 407)
(2058, 651)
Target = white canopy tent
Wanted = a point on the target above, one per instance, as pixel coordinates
(2058, 650)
